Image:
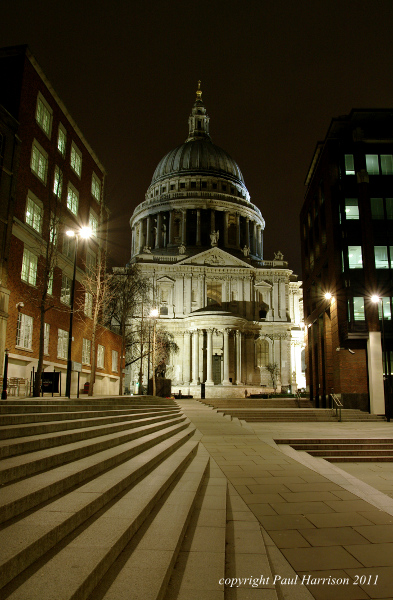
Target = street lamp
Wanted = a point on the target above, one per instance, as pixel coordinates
(84, 233)
(376, 299)
(154, 315)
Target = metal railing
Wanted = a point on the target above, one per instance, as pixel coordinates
(337, 405)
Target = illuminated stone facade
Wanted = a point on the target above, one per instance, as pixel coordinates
(199, 239)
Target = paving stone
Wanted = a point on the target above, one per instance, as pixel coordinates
(290, 538)
(307, 496)
(381, 575)
(301, 508)
(285, 522)
(333, 536)
(373, 555)
(338, 520)
(349, 505)
(377, 516)
(377, 533)
(319, 558)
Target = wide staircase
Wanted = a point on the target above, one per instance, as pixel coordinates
(111, 498)
(284, 410)
(344, 449)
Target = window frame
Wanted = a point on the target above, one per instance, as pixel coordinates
(37, 210)
(74, 163)
(100, 356)
(24, 331)
(115, 361)
(93, 222)
(88, 305)
(57, 182)
(35, 161)
(62, 143)
(46, 111)
(86, 348)
(96, 185)
(65, 292)
(46, 337)
(62, 344)
(29, 267)
(71, 190)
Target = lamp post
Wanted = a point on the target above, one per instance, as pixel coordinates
(85, 233)
(5, 377)
(154, 315)
(376, 299)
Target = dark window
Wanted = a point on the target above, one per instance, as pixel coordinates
(172, 186)
(182, 185)
(224, 187)
(214, 186)
(204, 184)
(193, 184)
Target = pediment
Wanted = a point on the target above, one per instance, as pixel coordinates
(263, 285)
(215, 257)
(165, 279)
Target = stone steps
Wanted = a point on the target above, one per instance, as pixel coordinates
(298, 415)
(144, 518)
(22, 428)
(49, 439)
(345, 450)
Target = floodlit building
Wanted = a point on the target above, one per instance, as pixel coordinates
(199, 239)
(51, 182)
(347, 253)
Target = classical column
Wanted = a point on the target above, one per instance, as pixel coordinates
(170, 242)
(209, 358)
(226, 357)
(212, 219)
(247, 232)
(198, 228)
(254, 238)
(195, 357)
(148, 232)
(238, 357)
(183, 227)
(140, 235)
(226, 229)
(238, 230)
(159, 227)
(186, 357)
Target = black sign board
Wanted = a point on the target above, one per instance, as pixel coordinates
(50, 382)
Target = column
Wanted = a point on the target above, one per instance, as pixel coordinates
(139, 242)
(209, 358)
(226, 357)
(261, 243)
(170, 234)
(247, 232)
(198, 228)
(195, 357)
(238, 230)
(254, 238)
(186, 357)
(159, 227)
(212, 220)
(226, 229)
(183, 227)
(238, 357)
(283, 302)
(148, 232)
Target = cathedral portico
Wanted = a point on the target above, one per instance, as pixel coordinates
(199, 239)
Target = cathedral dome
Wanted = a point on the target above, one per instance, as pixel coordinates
(198, 155)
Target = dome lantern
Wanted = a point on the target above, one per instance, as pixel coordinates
(198, 121)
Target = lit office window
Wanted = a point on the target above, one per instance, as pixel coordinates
(62, 343)
(377, 211)
(115, 360)
(387, 164)
(61, 139)
(93, 223)
(88, 309)
(72, 199)
(46, 338)
(349, 165)
(34, 214)
(43, 114)
(100, 356)
(381, 257)
(358, 309)
(372, 164)
(351, 208)
(96, 187)
(65, 294)
(387, 314)
(86, 351)
(389, 208)
(76, 159)
(355, 260)
(24, 332)
(39, 161)
(29, 267)
(57, 182)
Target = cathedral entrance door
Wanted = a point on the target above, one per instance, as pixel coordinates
(216, 369)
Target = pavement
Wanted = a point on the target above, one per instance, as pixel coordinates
(328, 530)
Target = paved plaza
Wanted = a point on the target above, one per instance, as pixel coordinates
(318, 521)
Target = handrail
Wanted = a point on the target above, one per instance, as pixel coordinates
(338, 405)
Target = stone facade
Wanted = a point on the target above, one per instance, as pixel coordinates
(199, 240)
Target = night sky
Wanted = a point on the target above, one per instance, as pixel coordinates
(273, 76)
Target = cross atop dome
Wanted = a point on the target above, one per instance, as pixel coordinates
(199, 91)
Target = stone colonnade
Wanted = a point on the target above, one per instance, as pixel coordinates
(142, 231)
(193, 339)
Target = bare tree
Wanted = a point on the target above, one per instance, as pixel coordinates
(95, 305)
(128, 291)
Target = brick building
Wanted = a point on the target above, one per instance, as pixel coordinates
(347, 251)
(59, 187)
